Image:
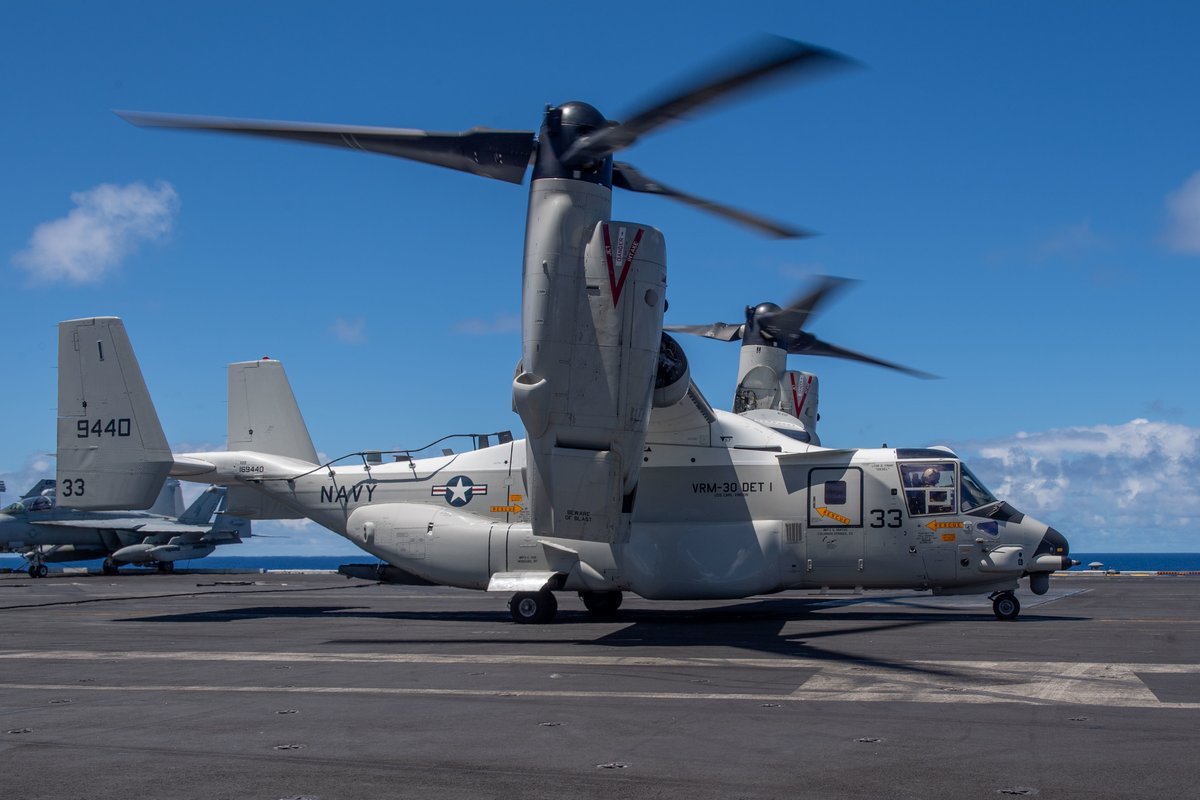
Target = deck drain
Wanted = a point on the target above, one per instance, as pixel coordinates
(612, 765)
(287, 711)
(1078, 719)
(868, 740)
(1019, 791)
(20, 730)
(771, 705)
(60, 702)
(550, 724)
(289, 747)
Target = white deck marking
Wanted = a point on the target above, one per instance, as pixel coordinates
(1022, 682)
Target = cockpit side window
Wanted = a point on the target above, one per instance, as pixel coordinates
(929, 487)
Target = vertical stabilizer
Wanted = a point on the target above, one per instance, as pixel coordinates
(170, 500)
(201, 510)
(112, 453)
(263, 415)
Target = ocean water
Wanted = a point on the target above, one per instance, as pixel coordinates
(1125, 562)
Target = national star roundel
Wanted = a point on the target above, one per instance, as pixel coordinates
(459, 490)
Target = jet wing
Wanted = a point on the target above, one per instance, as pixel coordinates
(128, 524)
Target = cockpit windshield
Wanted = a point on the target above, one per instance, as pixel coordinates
(974, 493)
(13, 508)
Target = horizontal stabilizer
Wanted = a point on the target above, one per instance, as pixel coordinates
(112, 453)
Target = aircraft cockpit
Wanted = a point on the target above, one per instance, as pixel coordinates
(944, 486)
(29, 504)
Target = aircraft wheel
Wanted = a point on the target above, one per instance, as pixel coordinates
(166, 567)
(601, 604)
(109, 567)
(42, 571)
(1006, 606)
(533, 607)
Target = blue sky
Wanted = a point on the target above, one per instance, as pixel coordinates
(1016, 186)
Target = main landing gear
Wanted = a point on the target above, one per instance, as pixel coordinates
(532, 608)
(109, 567)
(540, 607)
(601, 605)
(38, 570)
(1005, 605)
(166, 567)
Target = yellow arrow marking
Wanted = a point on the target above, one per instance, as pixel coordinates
(507, 509)
(825, 512)
(936, 525)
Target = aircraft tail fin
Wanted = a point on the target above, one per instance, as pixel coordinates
(263, 414)
(170, 500)
(39, 487)
(202, 508)
(112, 453)
(264, 418)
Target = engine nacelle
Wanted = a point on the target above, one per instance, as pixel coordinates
(673, 376)
(592, 338)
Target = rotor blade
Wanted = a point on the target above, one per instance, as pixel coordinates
(502, 155)
(626, 176)
(771, 57)
(722, 331)
(820, 348)
(795, 316)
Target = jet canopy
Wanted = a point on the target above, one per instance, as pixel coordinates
(27, 504)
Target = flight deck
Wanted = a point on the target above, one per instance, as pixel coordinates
(284, 685)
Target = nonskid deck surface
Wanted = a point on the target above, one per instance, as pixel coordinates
(283, 686)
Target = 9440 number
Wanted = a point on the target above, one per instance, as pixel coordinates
(102, 427)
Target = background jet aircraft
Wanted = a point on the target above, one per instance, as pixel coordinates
(42, 531)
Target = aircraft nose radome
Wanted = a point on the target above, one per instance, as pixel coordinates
(1055, 548)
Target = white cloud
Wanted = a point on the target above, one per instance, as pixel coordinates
(502, 323)
(1183, 217)
(1105, 486)
(108, 223)
(20, 480)
(349, 331)
(1070, 241)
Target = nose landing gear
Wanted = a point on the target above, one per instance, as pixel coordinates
(1005, 605)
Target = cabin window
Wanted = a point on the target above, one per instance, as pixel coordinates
(835, 493)
(929, 487)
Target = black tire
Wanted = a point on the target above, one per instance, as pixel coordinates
(1006, 606)
(533, 608)
(602, 604)
(42, 571)
(166, 567)
(109, 567)
(33, 570)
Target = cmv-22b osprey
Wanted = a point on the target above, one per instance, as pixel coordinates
(725, 507)
(610, 491)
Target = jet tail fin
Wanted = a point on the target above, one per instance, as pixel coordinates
(112, 453)
(170, 500)
(201, 510)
